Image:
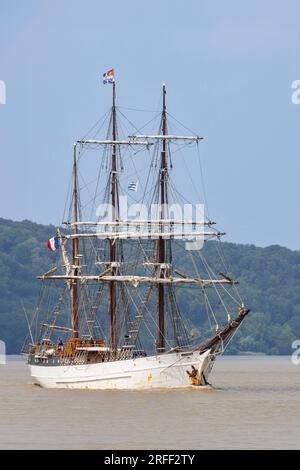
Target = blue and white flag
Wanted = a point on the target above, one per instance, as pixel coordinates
(133, 186)
(109, 77)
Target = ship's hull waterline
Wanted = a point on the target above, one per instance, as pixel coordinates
(173, 370)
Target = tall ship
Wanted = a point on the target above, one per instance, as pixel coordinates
(131, 272)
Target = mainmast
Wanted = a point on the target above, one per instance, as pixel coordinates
(161, 241)
(112, 243)
(74, 285)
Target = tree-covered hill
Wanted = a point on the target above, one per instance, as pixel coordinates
(23, 255)
(269, 283)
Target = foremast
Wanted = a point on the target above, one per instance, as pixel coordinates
(75, 259)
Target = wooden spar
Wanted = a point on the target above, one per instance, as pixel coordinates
(74, 286)
(140, 279)
(136, 235)
(161, 241)
(58, 328)
(51, 271)
(181, 274)
(167, 137)
(112, 244)
(224, 333)
(159, 222)
(113, 142)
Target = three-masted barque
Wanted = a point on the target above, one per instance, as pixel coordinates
(113, 311)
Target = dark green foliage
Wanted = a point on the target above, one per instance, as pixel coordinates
(23, 255)
(269, 284)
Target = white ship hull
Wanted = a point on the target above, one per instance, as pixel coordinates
(161, 371)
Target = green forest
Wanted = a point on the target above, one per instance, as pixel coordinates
(269, 283)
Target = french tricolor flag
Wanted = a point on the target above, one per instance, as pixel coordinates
(53, 243)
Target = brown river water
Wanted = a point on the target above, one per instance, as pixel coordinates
(255, 405)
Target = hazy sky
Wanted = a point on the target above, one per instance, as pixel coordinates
(228, 66)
